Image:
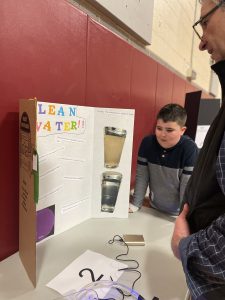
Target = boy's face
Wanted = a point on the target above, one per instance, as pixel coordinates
(168, 133)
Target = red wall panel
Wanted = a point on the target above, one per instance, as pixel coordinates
(164, 87)
(43, 55)
(190, 88)
(143, 90)
(9, 183)
(178, 94)
(43, 45)
(108, 68)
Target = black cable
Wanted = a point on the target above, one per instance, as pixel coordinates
(118, 238)
(118, 257)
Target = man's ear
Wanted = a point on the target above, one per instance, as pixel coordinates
(183, 129)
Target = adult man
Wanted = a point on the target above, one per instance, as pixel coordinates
(199, 232)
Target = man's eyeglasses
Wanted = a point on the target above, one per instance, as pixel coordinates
(202, 22)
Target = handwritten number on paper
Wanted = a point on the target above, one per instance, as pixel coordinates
(92, 274)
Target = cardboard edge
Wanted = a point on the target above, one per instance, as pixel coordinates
(27, 207)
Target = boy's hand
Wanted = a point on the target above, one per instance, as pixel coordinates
(133, 208)
(181, 230)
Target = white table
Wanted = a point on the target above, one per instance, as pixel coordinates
(162, 274)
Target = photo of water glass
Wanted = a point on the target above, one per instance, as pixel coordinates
(110, 188)
(114, 139)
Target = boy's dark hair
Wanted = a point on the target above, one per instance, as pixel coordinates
(173, 113)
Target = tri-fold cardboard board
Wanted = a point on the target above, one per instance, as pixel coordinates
(75, 163)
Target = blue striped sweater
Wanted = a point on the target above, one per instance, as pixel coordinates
(165, 171)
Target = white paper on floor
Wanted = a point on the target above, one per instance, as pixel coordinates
(88, 267)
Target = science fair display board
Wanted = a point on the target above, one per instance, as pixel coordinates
(75, 164)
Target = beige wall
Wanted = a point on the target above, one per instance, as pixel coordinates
(174, 43)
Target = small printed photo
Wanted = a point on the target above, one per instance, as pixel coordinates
(45, 223)
(110, 188)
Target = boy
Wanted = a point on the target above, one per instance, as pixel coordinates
(165, 162)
